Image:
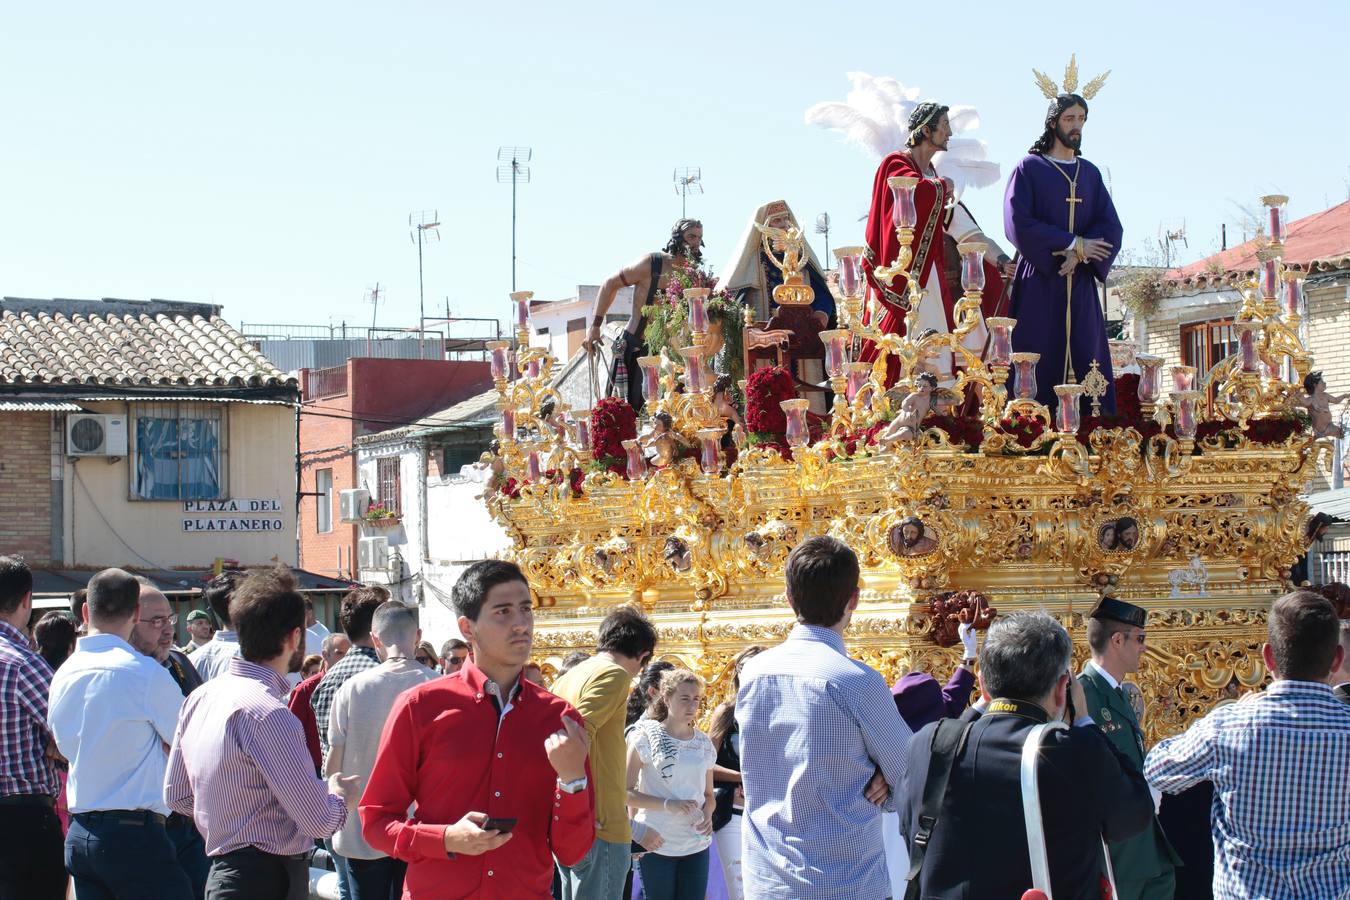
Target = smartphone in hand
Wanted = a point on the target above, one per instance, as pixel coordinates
(502, 825)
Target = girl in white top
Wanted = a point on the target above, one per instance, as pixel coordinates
(670, 786)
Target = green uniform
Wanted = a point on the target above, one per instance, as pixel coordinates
(1143, 864)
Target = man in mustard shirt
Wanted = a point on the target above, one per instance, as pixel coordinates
(598, 688)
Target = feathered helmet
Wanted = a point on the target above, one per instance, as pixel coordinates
(877, 115)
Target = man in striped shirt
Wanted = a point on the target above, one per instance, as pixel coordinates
(1280, 764)
(31, 861)
(239, 766)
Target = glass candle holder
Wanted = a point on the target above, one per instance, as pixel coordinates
(1122, 354)
(1000, 340)
(498, 362)
(1183, 414)
(1276, 205)
(1024, 375)
(581, 420)
(535, 470)
(1247, 345)
(850, 270)
(972, 266)
(1183, 378)
(694, 380)
(698, 309)
(651, 377)
(508, 424)
(1148, 376)
(1270, 269)
(1293, 295)
(798, 435)
(1068, 417)
(532, 368)
(521, 301)
(858, 374)
(709, 450)
(635, 465)
(836, 351)
(903, 212)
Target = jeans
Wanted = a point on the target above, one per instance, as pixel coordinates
(343, 868)
(251, 874)
(377, 879)
(600, 874)
(123, 856)
(674, 877)
(190, 848)
(729, 854)
(32, 863)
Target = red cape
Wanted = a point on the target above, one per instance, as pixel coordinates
(929, 247)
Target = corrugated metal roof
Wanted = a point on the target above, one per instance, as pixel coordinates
(38, 406)
(1335, 503)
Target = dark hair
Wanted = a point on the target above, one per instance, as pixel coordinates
(1317, 523)
(358, 608)
(1310, 381)
(676, 245)
(924, 115)
(218, 592)
(16, 582)
(627, 631)
(1046, 142)
(451, 646)
(114, 595)
(478, 580)
(822, 577)
(724, 717)
(1024, 655)
(665, 419)
(77, 600)
(54, 635)
(309, 605)
(266, 609)
(1303, 634)
(650, 679)
(571, 660)
(1099, 632)
(928, 377)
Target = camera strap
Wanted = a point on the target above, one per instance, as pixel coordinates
(948, 739)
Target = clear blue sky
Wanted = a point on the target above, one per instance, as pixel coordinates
(265, 156)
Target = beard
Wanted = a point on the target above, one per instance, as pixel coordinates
(1072, 141)
(297, 659)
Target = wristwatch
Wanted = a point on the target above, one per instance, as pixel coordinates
(572, 787)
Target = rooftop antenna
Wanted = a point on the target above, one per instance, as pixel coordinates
(688, 180)
(515, 172)
(422, 229)
(374, 296)
(823, 227)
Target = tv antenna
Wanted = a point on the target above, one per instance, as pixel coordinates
(1168, 239)
(823, 227)
(688, 180)
(515, 172)
(422, 229)
(374, 296)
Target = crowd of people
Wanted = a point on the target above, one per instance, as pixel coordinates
(131, 768)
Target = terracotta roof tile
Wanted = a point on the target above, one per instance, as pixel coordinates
(1320, 242)
(167, 348)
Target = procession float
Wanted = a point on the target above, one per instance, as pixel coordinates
(962, 500)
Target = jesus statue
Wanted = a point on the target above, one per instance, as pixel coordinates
(1060, 217)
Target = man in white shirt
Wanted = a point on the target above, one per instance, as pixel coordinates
(214, 658)
(355, 722)
(315, 631)
(113, 712)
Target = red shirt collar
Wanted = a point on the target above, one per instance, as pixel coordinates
(477, 681)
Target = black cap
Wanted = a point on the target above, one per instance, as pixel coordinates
(1120, 611)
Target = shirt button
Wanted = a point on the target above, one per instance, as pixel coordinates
(499, 756)
(555, 818)
(496, 793)
(489, 873)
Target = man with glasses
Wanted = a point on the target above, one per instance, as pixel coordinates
(1144, 865)
(453, 654)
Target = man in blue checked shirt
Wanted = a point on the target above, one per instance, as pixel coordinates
(823, 747)
(1280, 764)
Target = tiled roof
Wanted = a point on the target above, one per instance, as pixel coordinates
(1316, 243)
(127, 345)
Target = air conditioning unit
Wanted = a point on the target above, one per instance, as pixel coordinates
(352, 504)
(372, 553)
(90, 434)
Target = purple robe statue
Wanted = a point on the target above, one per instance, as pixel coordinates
(1036, 220)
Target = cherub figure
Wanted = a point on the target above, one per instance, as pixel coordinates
(491, 470)
(1318, 403)
(661, 444)
(913, 409)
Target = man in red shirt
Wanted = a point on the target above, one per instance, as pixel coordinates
(483, 746)
(334, 647)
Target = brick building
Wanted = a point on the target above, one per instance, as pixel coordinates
(339, 405)
(1192, 323)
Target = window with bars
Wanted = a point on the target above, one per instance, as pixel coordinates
(1205, 344)
(180, 451)
(388, 484)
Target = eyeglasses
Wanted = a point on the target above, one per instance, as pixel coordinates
(426, 660)
(161, 621)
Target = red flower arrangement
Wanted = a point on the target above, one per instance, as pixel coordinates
(1127, 396)
(764, 391)
(1022, 428)
(968, 430)
(613, 421)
